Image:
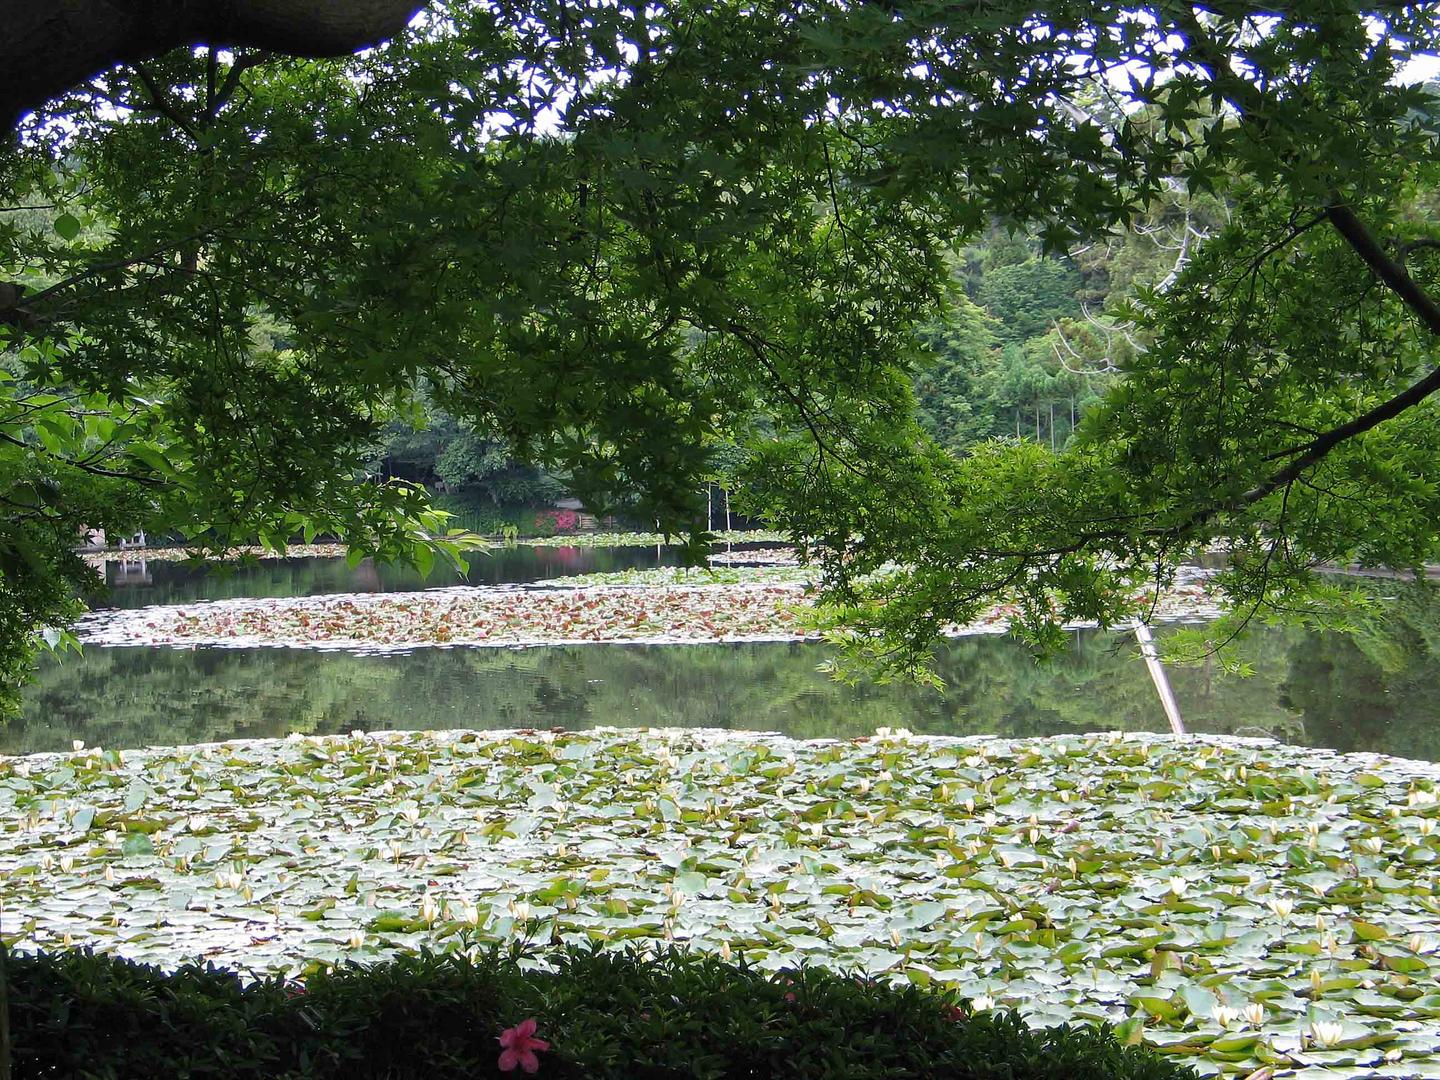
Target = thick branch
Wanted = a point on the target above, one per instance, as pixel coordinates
(1398, 280)
(49, 46)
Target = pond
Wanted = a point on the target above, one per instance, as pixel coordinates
(1328, 690)
(142, 582)
(1377, 690)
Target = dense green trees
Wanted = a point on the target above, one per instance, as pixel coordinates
(620, 236)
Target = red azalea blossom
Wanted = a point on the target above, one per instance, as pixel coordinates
(954, 1012)
(519, 1046)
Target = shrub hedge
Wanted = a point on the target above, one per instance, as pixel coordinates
(78, 1014)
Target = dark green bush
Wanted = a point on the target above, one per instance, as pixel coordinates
(77, 1014)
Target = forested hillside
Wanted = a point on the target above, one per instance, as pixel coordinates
(1027, 342)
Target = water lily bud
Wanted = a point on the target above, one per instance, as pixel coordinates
(357, 939)
(725, 951)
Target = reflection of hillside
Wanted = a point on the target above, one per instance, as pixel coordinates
(1377, 689)
(137, 696)
(167, 582)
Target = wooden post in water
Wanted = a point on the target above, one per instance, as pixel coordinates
(1158, 677)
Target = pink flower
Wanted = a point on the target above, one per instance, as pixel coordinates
(518, 1047)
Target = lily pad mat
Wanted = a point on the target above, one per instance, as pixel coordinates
(1238, 903)
(654, 610)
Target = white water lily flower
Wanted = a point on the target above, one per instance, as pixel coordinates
(1254, 1013)
(1373, 844)
(1280, 906)
(77, 745)
(67, 863)
(429, 910)
(1326, 1033)
(983, 1003)
(357, 939)
(1225, 1015)
(1422, 797)
(1178, 886)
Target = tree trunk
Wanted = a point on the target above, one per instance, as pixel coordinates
(49, 46)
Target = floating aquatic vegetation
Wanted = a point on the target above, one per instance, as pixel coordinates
(759, 604)
(1237, 904)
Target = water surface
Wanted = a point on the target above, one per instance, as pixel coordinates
(1313, 689)
(1376, 689)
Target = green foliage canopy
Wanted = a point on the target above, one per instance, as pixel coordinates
(618, 235)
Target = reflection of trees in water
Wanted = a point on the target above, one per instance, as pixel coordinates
(140, 696)
(180, 583)
(1377, 689)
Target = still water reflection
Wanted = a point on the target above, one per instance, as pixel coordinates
(140, 583)
(1380, 692)
(1376, 689)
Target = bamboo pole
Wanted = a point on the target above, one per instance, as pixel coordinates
(1159, 678)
